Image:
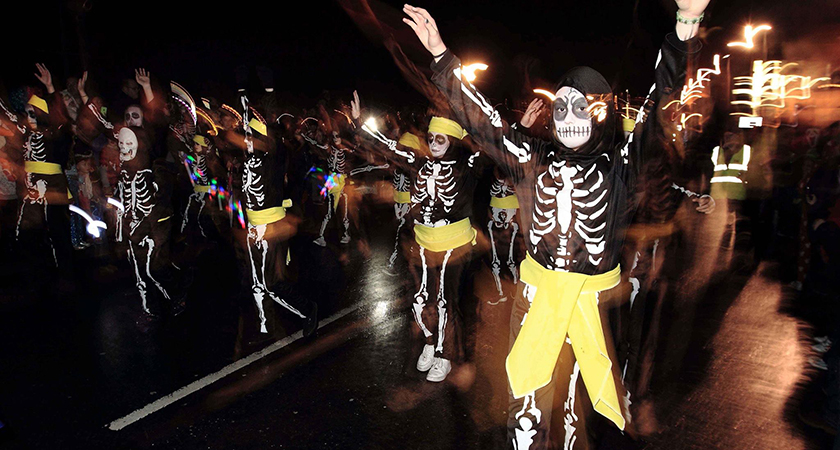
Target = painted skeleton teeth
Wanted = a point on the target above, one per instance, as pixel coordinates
(575, 131)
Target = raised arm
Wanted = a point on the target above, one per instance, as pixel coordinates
(376, 141)
(508, 148)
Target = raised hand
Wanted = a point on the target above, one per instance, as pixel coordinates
(355, 106)
(705, 204)
(534, 109)
(143, 78)
(425, 28)
(45, 77)
(691, 9)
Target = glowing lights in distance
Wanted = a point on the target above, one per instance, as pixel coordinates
(749, 34)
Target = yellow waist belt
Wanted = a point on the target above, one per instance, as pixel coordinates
(565, 304)
(341, 180)
(447, 237)
(402, 196)
(265, 216)
(44, 168)
(509, 202)
(201, 189)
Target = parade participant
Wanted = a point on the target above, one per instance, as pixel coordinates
(502, 230)
(581, 182)
(442, 188)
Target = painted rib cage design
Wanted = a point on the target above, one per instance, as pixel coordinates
(35, 150)
(137, 194)
(570, 202)
(337, 160)
(200, 170)
(435, 183)
(252, 182)
(402, 182)
(501, 188)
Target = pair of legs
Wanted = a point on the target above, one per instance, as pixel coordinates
(43, 233)
(436, 300)
(331, 205)
(401, 212)
(158, 281)
(267, 246)
(502, 229)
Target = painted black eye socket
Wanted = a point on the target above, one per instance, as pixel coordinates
(440, 139)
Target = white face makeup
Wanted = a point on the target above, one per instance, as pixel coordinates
(128, 144)
(572, 121)
(134, 116)
(30, 116)
(438, 144)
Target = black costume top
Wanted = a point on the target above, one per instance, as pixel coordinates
(574, 204)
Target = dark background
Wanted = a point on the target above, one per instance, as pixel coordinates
(315, 45)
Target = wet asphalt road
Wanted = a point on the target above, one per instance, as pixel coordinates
(730, 372)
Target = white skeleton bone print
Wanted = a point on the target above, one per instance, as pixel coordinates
(137, 195)
(252, 183)
(435, 183)
(570, 200)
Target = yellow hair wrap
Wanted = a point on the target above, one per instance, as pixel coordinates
(201, 140)
(410, 140)
(447, 127)
(258, 126)
(39, 103)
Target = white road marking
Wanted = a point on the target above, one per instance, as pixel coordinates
(197, 385)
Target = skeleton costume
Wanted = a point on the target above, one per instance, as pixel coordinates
(44, 216)
(268, 233)
(574, 208)
(442, 197)
(337, 165)
(145, 224)
(503, 230)
(402, 199)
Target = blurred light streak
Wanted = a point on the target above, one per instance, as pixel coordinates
(693, 89)
(93, 226)
(469, 70)
(112, 201)
(371, 124)
(768, 87)
(598, 110)
(548, 94)
(749, 33)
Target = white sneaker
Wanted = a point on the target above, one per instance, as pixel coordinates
(427, 358)
(320, 241)
(440, 369)
(813, 361)
(821, 348)
(345, 239)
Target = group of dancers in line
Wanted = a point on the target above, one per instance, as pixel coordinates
(196, 170)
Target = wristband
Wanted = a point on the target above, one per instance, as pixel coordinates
(682, 19)
(441, 54)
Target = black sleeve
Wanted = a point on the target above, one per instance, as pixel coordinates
(507, 147)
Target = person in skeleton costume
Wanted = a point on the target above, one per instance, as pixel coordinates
(579, 187)
(145, 224)
(44, 215)
(269, 230)
(502, 229)
(442, 197)
(402, 201)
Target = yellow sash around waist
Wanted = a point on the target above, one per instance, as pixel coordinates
(509, 202)
(402, 196)
(264, 216)
(201, 189)
(447, 237)
(565, 304)
(336, 190)
(42, 168)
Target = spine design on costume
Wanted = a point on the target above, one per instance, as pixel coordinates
(138, 191)
(435, 183)
(252, 182)
(337, 160)
(575, 201)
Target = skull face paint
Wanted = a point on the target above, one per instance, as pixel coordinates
(572, 120)
(128, 144)
(438, 144)
(134, 116)
(30, 116)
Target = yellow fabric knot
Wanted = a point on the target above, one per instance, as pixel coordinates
(447, 237)
(565, 304)
(265, 216)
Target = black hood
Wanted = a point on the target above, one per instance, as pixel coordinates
(590, 83)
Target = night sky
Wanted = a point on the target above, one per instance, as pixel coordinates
(314, 46)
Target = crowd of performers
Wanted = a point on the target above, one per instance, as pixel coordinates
(144, 170)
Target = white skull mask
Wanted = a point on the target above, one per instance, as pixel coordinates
(438, 144)
(128, 144)
(572, 120)
(133, 116)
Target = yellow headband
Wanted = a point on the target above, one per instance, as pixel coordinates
(447, 127)
(258, 126)
(201, 140)
(410, 140)
(39, 103)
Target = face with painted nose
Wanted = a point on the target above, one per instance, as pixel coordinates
(134, 116)
(572, 121)
(128, 144)
(438, 144)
